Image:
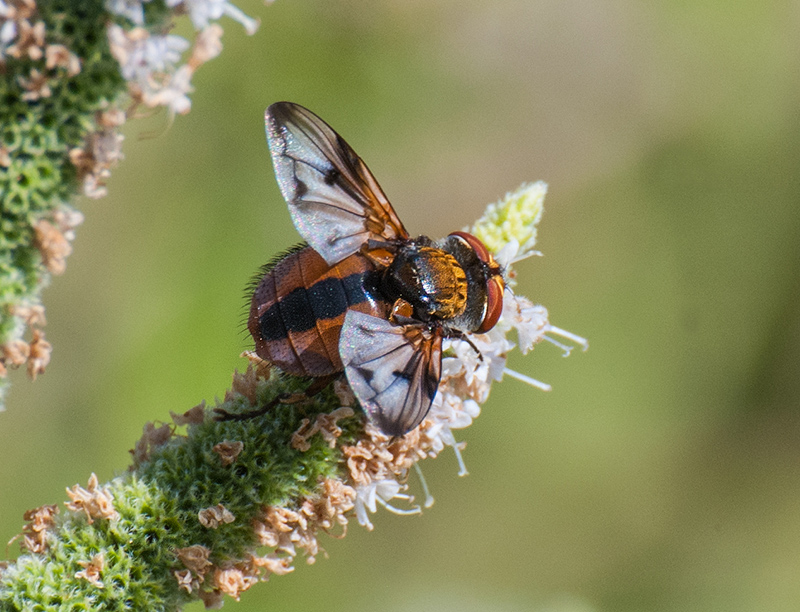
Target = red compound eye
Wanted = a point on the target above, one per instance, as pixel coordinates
(480, 249)
(494, 303)
(494, 284)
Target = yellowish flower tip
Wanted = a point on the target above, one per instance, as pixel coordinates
(512, 220)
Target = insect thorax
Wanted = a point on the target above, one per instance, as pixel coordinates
(438, 280)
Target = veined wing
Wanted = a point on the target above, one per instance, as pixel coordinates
(394, 370)
(335, 202)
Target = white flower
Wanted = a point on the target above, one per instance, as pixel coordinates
(149, 62)
(173, 95)
(107, 147)
(379, 492)
(153, 54)
(8, 32)
(130, 9)
(202, 12)
(207, 45)
(528, 319)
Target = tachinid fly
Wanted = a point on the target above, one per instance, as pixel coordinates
(363, 298)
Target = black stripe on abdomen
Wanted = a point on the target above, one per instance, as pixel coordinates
(299, 310)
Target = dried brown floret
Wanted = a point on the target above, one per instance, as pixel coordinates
(61, 57)
(214, 516)
(228, 451)
(234, 580)
(21, 9)
(152, 438)
(288, 530)
(283, 529)
(186, 580)
(29, 41)
(101, 152)
(369, 459)
(111, 118)
(195, 559)
(344, 392)
(336, 500)
(262, 366)
(94, 501)
(193, 416)
(53, 246)
(33, 315)
(212, 600)
(15, 353)
(325, 424)
(207, 46)
(244, 384)
(273, 564)
(92, 569)
(36, 86)
(34, 532)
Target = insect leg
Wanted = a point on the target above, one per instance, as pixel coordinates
(462, 336)
(317, 385)
(220, 414)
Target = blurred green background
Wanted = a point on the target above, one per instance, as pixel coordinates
(663, 470)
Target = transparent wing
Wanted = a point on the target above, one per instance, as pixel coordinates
(335, 202)
(394, 370)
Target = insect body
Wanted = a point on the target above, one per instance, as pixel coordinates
(363, 297)
(299, 307)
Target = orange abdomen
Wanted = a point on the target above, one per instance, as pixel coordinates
(299, 306)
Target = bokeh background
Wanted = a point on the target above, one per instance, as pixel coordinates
(662, 473)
